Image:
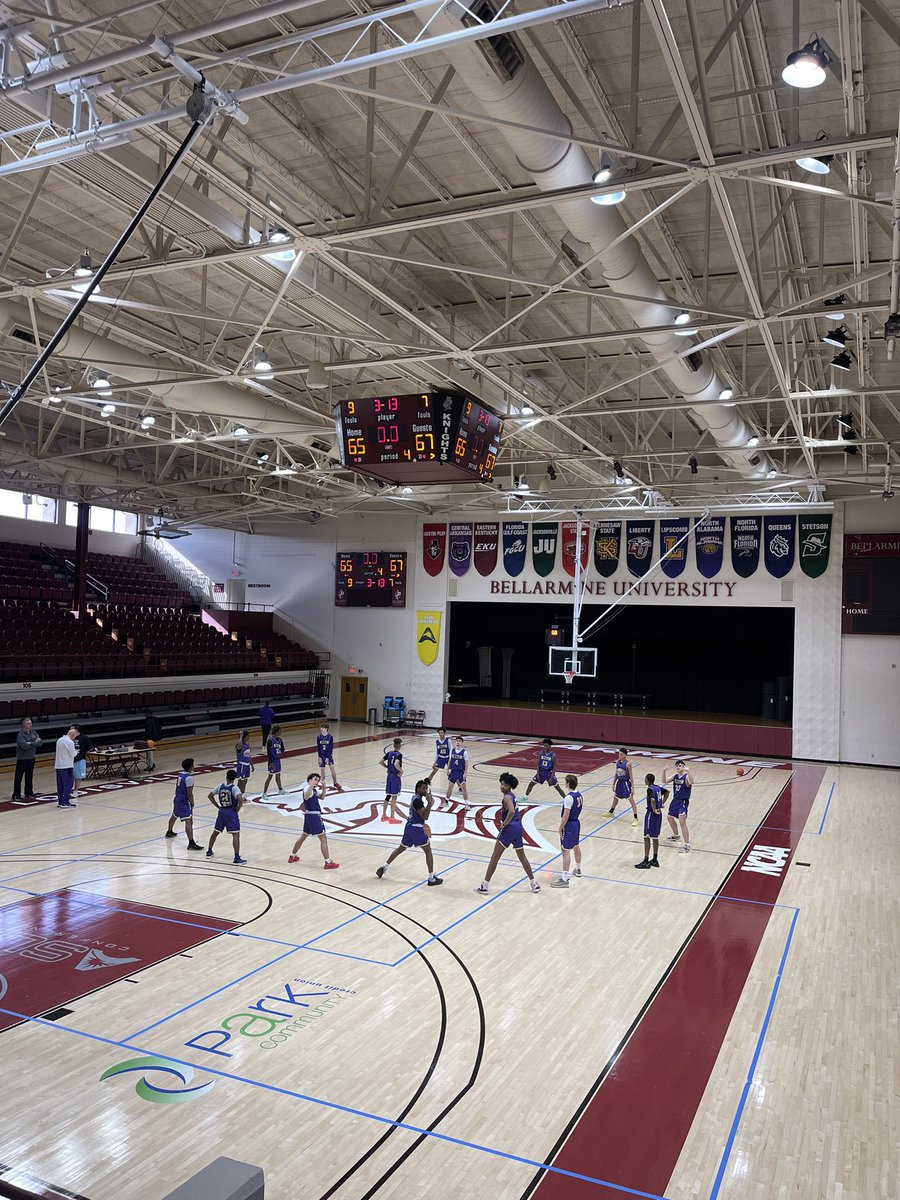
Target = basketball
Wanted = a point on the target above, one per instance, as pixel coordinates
(739, 771)
(150, 746)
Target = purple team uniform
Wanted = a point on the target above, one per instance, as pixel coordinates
(546, 768)
(414, 834)
(652, 820)
(312, 817)
(182, 805)
(441, 753)
(457, 768)
(325, 747)
(571, 834)
(681, 795)
(393, 761)
(228, 796)
(513, 834)
(243, 761)
(622, 785)
(274, 751)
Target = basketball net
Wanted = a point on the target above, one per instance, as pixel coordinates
(570, 675)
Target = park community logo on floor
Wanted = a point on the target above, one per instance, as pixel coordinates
(166, 1067)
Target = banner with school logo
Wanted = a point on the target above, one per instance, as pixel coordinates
(673, 545)
(487, 535)
(569, 546)
(607, 546)
(814, 540)
(778, 544)
(639, 546)
(434, 546)
(428, 635)
(709, 545)
(746, 535)
(515, 535)
(460, 552)
(544, 536)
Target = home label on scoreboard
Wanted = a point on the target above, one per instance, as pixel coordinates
(425, 438)
(370, 579)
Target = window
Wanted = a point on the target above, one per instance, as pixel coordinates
(104, 520)
(26, 506)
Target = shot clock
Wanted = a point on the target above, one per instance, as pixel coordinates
(425, 438)
(370, 579)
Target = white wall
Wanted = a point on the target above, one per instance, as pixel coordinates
(870, 665)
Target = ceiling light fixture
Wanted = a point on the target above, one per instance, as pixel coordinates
(262, 366)
(285, 471)
(836, 337)
(84, 268)
(842, 361)
(147, 420)
(836, 304)
(805, 68)
(551, 472)
(771, 473)
(845, 420)
(752, 441)
(617, 467)
(240, 431)
(692, 463)
(278, 236)
(544, 487)
(107, 410)
(681, 318)
(603, 174)
(316, 375)
(817, 165)
(726, 393)
(527, 410)
(523, 484)
(262, 457)
(601, 177)
(100, 382)
(407, 491)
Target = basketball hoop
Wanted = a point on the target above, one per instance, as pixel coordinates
(570, 675)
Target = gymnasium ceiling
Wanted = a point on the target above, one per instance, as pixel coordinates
(426, 252)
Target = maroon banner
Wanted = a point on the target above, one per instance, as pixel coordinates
(487, 537)
(569, 535)
(434, 547)
(872, 545)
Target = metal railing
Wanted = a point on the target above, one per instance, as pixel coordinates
(179, 570)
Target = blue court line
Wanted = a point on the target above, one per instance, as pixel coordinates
(293, 950)
(732, 1134)
(827, 806)
(84, 858)
(335, 1107)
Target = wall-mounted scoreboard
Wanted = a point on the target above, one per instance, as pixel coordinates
(425, 438)
(370, 579)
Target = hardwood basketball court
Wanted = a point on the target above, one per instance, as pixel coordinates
(690, 1033)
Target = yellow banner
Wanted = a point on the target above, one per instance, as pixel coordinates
(428, 635)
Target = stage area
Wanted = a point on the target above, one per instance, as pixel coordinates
(360, 1037)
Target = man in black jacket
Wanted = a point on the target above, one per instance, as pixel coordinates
(152, 734)
(27, 742)
(83, 744)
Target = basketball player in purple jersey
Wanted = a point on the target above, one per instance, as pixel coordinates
(441, 756)
(682, 782)
(313, 825)
(546, 769)
(392, 761)
(274, 751)
(228, 799)
(183, 804)
(416, 833)
(570, 832)
(243, 760)
(325, 750)
(457, 771)
(656, 797)
(623, 785)
(511, 834)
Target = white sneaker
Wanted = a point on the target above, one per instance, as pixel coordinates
(674, 838)
(577, 872)
(536, 887)
(282, 792)
(264, 795)
(685, 849)
(483, 889)
(560, 883)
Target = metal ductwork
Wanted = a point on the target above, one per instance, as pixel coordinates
(506, 83)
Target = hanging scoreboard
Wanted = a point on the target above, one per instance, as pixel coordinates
(425, 438)
(370, 579)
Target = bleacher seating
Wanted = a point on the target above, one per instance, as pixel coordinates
(29, 574)
(131, 581)
(280, 652)
(179, 641)
(41, 640)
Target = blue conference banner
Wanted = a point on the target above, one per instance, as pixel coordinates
(746, 536)
(673, 546)
(460, 547)
(515, 543)
(778, 544)
(639, 546)
(709, 545)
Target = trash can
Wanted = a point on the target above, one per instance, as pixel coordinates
(373, 716)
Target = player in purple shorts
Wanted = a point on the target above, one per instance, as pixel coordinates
(682, 782)
(183, 804)
(325, 751)
(511, 834)
(392, 761)
(457, 771)
(570, 832)
(623, 785)
(417, 833)
(546, 769)
(441, 756)
(274, 751)
(243, 760)
(313, 825)
(228, 799)
(656, 797)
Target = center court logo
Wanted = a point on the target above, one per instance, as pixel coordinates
(153, 1092)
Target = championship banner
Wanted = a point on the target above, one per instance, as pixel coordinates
(486, 538)
(434, 546)
(746, 535)
(639, 546)
(569, 538)
(607, 545)
(428, 635)
(460, 553)
(544, 536)
(778, 544)
(709, 545)
(814, 539)
(515, 542)
(673, 545)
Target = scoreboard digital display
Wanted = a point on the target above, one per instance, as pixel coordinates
(425, 438)
(370, 579)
